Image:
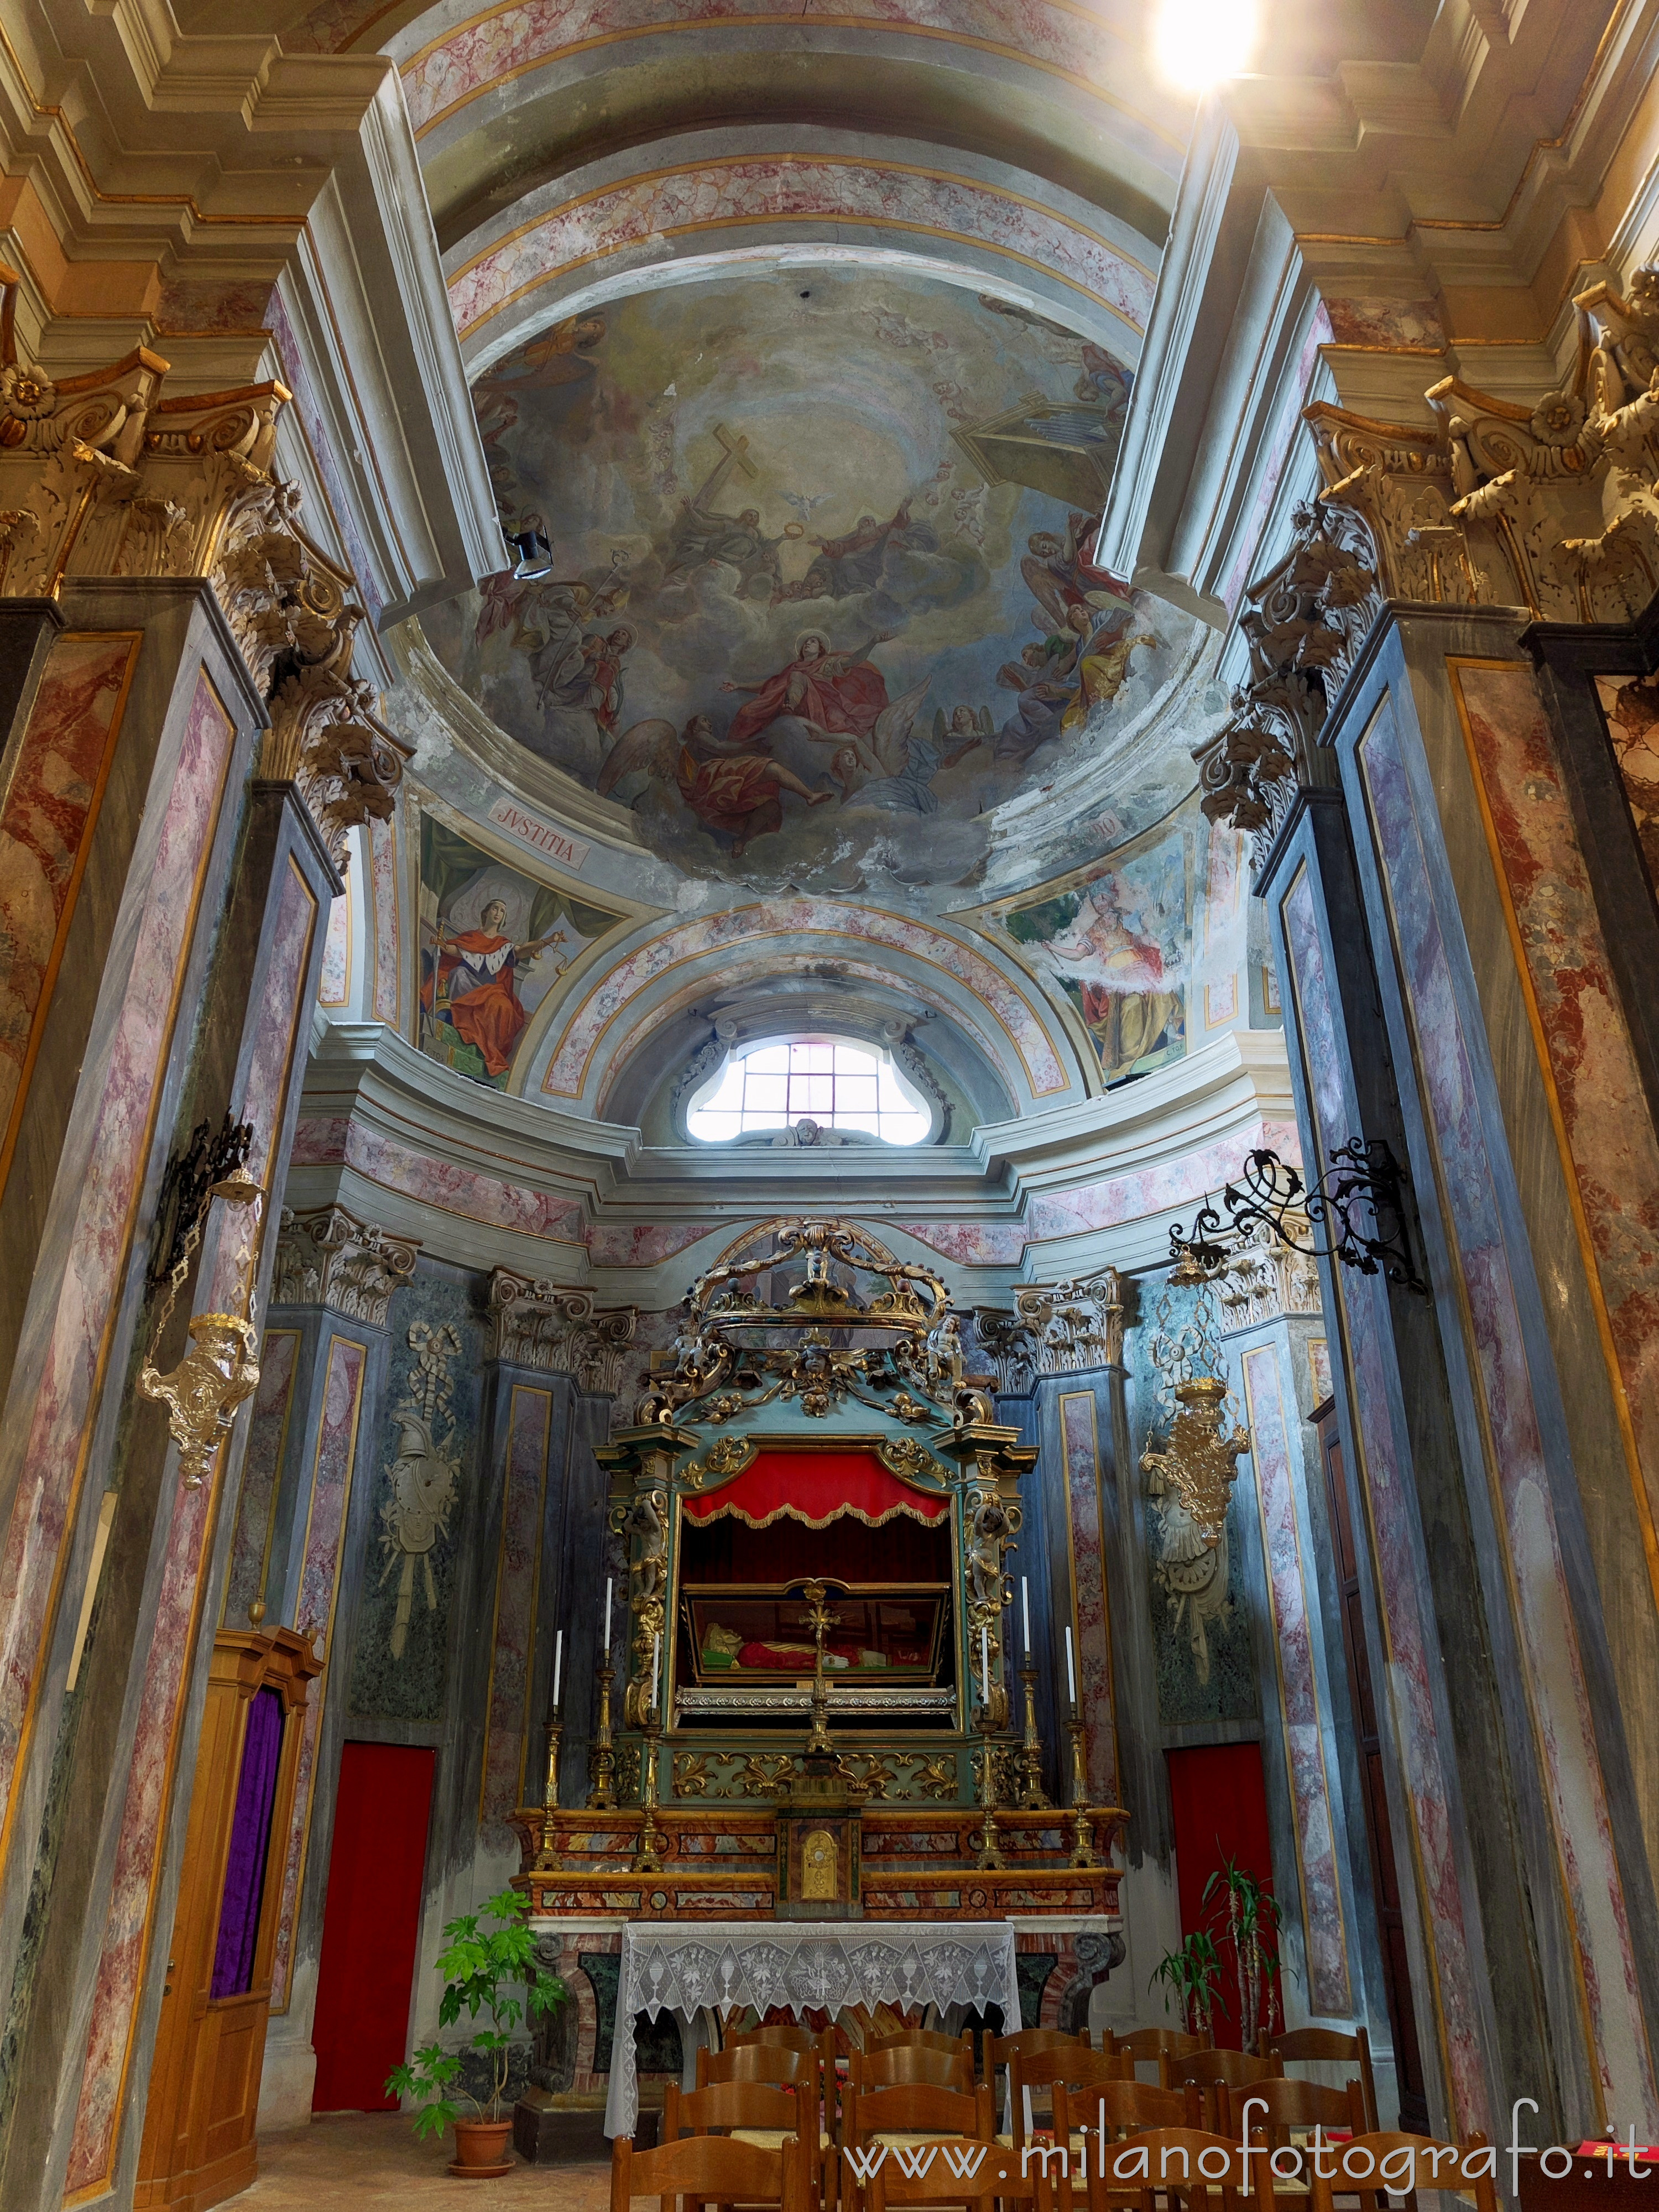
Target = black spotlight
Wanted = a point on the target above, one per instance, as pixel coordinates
(535, 554)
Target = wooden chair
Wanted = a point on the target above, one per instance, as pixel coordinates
(950, 2069)
(966, 2172)
(786, 2034)
(1160, 2045)
(1000, 2049)
(1282, 2113)
(751, 2112)
(752, 2062)
(923, 2039)
(915, 2112)
(1323, 2046)
(1433, 2165)
(705, 2169)
(1222, 2074)
(1072, 2064)
(1106, 2109)
(1175, 2164)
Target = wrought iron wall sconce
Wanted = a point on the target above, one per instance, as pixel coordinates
(1361, 1187)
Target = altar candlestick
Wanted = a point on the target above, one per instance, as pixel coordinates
(609, 1586)
(558, 1666)
(656, 1664)
(985, 1665)
(1071, 1671)
(1025, 1611)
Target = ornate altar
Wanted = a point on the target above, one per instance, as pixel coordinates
(816, 1713)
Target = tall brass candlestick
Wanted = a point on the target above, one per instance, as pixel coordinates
(1083, 1855)
(989, 1856)
(547, 1859)
(1033, 1798)
(601, 1759)
(648, 1858)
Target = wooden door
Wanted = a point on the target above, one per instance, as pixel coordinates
(1379, 1839)
(371, 1925)
(199, 2142)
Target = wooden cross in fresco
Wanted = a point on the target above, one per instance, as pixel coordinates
(734, 454)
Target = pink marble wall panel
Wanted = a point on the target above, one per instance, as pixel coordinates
(784, 188)
(1080, 1450)
(642, 1246)
(315, 1607)
(262, 1472)
(51, 1436)
(529, 1432)
(506, 41)
(586, 1024)
(456, 1189)
(1612, 1153)
(1145, 1191)
(1396, 1549)
(131, 1921)
(320, 1140)
(971, 1244)
(1330, 1991)
(1592, 1890)
(334, 984)
(49, 813)
(382, 900)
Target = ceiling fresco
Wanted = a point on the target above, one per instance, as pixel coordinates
(821, 599)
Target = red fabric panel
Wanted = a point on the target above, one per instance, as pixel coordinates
(902, 1551)
(371, 1924)
(1220, 1807)
(814, 1486)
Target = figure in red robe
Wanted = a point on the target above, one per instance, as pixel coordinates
(838, 694)
(473, 981)
(734, 787)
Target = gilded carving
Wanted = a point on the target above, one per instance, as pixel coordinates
(328, 1257)
(1200, 1462)
(819, 1861)
(220, 1368)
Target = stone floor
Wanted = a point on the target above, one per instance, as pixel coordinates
(362, 2159)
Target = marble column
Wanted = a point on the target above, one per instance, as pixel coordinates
(302, 1524)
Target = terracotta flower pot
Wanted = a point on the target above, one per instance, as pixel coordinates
(481, 2148)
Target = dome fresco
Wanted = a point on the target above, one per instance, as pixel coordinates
(821, 599)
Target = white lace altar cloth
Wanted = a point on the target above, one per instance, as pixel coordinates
(817, 1966)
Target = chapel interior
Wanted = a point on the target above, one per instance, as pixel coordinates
(828, 1077)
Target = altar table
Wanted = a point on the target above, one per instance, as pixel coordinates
(816, 1966)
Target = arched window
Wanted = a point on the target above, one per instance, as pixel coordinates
(827, 1079)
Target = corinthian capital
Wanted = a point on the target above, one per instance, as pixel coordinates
(535, 1323)
(1076, 1324)
(327, 1257)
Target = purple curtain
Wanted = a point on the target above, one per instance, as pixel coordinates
(250, 1840)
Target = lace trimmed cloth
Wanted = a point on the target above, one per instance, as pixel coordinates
(815, 1967)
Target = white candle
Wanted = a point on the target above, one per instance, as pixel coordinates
(1025, 1611)
(1071, 1672)
(656, 1664)
(984, 1664)
(558, 1666)
(608, 1588)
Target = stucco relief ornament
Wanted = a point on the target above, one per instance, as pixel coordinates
(425, 1475)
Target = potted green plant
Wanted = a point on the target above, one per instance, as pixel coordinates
(1251, 1929)
(483, 1969)
(1189, 1974)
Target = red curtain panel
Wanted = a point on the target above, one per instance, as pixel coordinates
(1220, 1807)
(370, 1924)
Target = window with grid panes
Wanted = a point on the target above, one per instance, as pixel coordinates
(829, 1081)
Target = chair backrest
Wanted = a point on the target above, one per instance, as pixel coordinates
(1400, 2165)
(909, 2106)
(952, 2068)
(786, 2034)
(1235, 2068)
(727, 2104)
(1116, 2107)
(1160, 2042)
(1000, 2049)
(924, 2039)
(1181, 2165)
(968, 2171)
(1273, 2108)
(1317, 2046)
(708, 2168)
(751, 2062)
(1042, 2071)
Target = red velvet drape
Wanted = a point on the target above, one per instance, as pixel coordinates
(816, 1487)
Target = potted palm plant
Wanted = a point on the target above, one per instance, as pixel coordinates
(483, 1970)
(1189, 1974)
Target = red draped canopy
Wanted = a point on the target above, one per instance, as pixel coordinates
(817, 1487)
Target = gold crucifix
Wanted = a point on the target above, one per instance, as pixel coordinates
(818, 1618)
